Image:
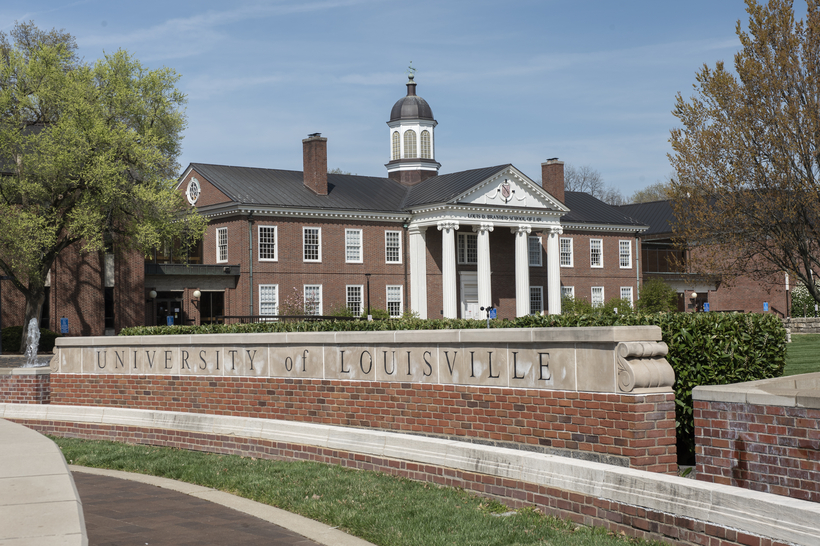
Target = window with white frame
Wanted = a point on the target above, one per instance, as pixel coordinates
(355, 303)
(568, 292)
(597, 296)
(313, 299)
(625, 254)
(312, 244)
(353, 246)
(410, 144)
(394, 301)
(626, 294)
(222, 244)
(396, 146)
(536, 300)
(596, 253)
(267, 243)
(565, 251)
(534, 251)
(268, 299)
(467, 248)
(392, 247)
(425, 145)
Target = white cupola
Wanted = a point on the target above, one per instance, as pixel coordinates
(412, 140)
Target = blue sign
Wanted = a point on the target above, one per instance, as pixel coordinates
(706, 306)
(765, 306)
(493, 313)
(169, 320)
(63, 325)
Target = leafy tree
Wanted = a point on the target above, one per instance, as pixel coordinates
(659, 191)
(747, 158)
(657, 296)
(87, 157)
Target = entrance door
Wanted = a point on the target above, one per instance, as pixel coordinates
(469, 295)
(169, 304)
(211, 305)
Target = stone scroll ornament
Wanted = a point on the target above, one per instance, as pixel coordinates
(641, 365)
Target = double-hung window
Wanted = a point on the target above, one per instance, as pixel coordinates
(394, 301)
(221, 245)
(355, 303)
(268, 299)
(626, 294)
(353, 246)
(534, 251)
(536, 300)
(565, 251)
(312, 244)
(596, 253)
(467, 248)
(568, 292)
(392, 247)
(313, 299)
(267, 244)
(625, 254)
(597, 296)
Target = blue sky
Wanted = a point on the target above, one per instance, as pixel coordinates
(590, 82)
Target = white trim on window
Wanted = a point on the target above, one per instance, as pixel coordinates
(392, 247)
(268, 249)
(597, 296)
(353, 246)
(311, 244)
(467, 248)
(395, 301)
(268, 299)
(626, 294)
(312, 296)
(565, 244)
(625, 254)
(568, 292)
(534, 250)
(596, 253)
(221, 245)
(536, 300)
(354, 299)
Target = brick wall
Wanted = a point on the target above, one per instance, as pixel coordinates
(583, 509)
(26, 388)
(773, 449)
(611, 276)
(633, 430)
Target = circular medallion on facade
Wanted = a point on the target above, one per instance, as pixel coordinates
(193, 191)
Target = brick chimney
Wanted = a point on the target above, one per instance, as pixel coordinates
(314, 158)
(552, 178)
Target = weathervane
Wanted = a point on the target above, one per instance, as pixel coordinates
(411, 72)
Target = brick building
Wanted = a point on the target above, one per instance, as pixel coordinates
(440, 245)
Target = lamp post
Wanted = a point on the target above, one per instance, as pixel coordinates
(693, 296)
(367, 276)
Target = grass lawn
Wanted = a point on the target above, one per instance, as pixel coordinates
(803, 354)
(382, 509)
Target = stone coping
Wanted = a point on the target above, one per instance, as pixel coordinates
(798, 391)
(586, 334)
(783, 518)
(40, 370)
(38, 499)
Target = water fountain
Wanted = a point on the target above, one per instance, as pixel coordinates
(32, 343)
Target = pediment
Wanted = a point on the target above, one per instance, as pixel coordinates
(510, 188)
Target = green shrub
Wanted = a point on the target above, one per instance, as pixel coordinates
(802, 302)
(704, 348)
(13, 334)
(656, 296)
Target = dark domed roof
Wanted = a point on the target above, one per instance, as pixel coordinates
(412, 106)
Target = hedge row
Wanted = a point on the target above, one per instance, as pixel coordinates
(13, 335)
(704, 348)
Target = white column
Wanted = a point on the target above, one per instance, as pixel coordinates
(554, 270)
(448, 268)
(418, 270)
(522, 270)
(485, 293)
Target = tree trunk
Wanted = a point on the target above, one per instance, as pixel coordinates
(34, 308)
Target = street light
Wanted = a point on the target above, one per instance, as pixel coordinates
(369, 316)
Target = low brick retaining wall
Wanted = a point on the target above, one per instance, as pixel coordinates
(25, 385)
(761, 435)
(641, 504)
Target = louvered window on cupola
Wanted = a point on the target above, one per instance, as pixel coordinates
(410, 144)
(396, 150)
(426, 152)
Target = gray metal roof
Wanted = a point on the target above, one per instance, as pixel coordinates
(583, 208)
(412, 106)
(658, 215)
(286, 188)
(445, 187)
